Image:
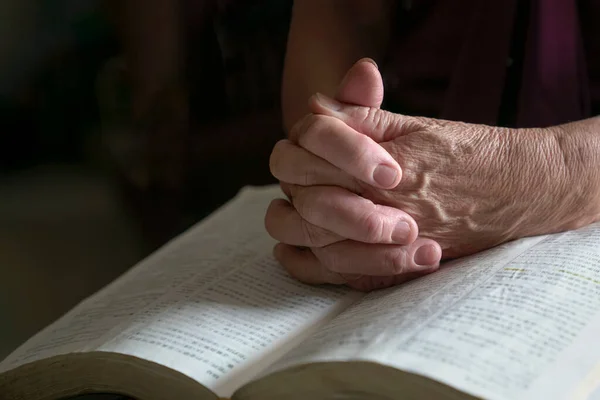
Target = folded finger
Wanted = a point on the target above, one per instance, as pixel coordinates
(350, 257)
(351, 216)
(293, 164)
(286, 189)
(305, 266)
(284, 224)
(354, 153)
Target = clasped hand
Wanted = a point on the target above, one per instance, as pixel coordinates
(376, 198)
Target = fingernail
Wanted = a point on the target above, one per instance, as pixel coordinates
(401, 232)
(385, 175)
(367, 59)
(426, 255)
(328, 102)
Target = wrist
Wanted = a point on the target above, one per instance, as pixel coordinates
(578, 151)
(559, 171)
(546, 182)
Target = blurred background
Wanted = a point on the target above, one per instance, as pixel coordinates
(122, 123)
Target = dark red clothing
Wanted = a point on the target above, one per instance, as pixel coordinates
(506, 62)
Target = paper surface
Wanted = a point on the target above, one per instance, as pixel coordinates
(213, 304)
(499, 325)
(516, 322)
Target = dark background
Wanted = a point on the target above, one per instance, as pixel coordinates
(86, 184)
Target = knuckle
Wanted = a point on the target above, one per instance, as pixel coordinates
(385, 122)
(397, 262)
(361, 115)
(314, 235)
(312, 127)
(374, 227)
(362, 149)
(301, 203)
(319, 195)
(373, 119)
(298, 128)
(309, 201)
(309, 175)
(363, 154)
(309, 234)
(359, 158)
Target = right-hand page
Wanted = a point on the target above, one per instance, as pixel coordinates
(519, 321)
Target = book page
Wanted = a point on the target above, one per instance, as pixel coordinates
(213, 304)
(519, 321)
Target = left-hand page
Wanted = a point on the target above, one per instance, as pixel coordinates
(212, 304)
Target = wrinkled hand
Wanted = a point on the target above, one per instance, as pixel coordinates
(356, 242)
(468, 187)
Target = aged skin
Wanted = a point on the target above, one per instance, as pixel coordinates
(461, 188)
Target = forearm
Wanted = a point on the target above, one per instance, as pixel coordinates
(555, 174)
(579, 152)
(326, 37)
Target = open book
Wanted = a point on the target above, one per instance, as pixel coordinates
(212, 315)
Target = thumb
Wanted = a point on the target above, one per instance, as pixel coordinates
(357, 103)
(378, 124)
(362, 85)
